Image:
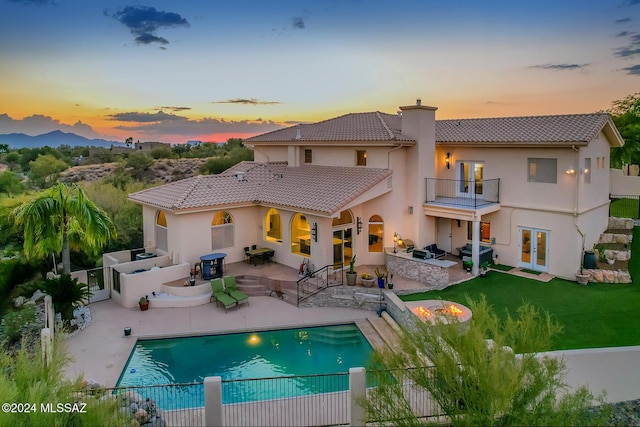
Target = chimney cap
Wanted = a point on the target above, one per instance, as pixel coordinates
(418, 101)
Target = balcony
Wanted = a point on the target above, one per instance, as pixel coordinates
(462, 194)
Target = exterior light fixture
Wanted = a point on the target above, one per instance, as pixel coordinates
(395, 242)
(447, 160)
(314, 231)
(570, 171)
(358, 224)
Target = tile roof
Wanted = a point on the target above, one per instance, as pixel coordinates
(322, 189)
(374, 126)
(570, 128)
(377, 126)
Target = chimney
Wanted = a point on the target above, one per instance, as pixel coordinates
(418, 101)
(240, 176)
(298, 136)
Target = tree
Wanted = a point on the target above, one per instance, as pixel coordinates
(481, 382)
(10, 184)
(59, 213)
(625, 113)
(45, 169)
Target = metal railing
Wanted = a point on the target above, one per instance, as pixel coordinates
(624, 206)
(318, 280)
(300, 400)
(468, 194)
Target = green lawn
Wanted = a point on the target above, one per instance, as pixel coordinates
(592, 316)
(624, 208)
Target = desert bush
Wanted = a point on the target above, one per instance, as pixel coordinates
(66, 293)
(13, 321)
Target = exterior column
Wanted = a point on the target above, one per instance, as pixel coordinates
(475, 248)
(213, 401)
(357, 387)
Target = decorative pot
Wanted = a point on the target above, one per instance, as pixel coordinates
(144, 307)
(582, 279)
(611, 261)
(368, 283)
(351, 278)
(380, 282)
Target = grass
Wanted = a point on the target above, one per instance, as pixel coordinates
(593, 316)
(502, 267)
(625, 208)
(526, 270)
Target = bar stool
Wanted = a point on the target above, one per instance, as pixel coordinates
(195, 270)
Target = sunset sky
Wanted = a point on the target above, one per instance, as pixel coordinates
(175, 71)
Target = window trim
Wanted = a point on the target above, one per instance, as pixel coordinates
(308, 155)
(361, 157)
(538, 175)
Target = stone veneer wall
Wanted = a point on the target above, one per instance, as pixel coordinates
(612, 276)
(419, 271)
(399, 311)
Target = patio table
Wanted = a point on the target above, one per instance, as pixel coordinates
(260, 253)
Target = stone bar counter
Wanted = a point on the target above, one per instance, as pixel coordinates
(430, 271)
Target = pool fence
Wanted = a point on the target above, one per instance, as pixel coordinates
(305, 400)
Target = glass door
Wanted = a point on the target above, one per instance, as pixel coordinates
(470, 177)
(342, 247)
(534, 249)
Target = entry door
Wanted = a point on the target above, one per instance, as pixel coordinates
(534, 249)
(470, 176)
(342, 246)
(444, 234)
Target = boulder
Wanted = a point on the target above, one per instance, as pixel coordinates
(624, 277)
(634, 170)
(597, 276)
(608, 276)
(37, 296)
(29, 303)
(18, 302)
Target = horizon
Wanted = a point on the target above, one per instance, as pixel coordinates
(177, 72)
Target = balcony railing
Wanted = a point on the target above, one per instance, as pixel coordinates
(461, 193)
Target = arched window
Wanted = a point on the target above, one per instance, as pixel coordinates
(273, 226)
(221, 230)
(161, 231)
(300, 235)
(344, 218)
(376, 230)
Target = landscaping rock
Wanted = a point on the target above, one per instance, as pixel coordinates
(608, 276)
(18, 302)
(597, 276)
(624, 277)
(37, 296)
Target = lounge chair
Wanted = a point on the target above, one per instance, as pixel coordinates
(217, 292)
(232, 289)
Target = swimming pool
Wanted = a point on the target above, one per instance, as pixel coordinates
(266, 354)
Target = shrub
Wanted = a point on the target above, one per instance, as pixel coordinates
(13, 322)
(66, 293)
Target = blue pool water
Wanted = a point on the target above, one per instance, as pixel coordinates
(266, 354)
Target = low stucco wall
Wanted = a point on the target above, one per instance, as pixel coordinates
(135, 286)
(624, 184)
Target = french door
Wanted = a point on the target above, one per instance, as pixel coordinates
(534, 249)
(470, 176)
(342, 246)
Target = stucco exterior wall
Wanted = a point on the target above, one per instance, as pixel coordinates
(624, 185)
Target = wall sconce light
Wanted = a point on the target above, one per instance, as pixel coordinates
(314, 231)
(447, 160)
(396, 236)
(359, 224)
(585, 170)
(570, 171)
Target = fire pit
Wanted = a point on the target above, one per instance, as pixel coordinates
(439, 311)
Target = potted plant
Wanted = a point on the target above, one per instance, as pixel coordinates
(381, 277)
(144, 303)
(351, 274)
(484, 268)
(581, 277)
(367, 280)
(467, 265)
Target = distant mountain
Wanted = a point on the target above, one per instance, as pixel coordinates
(54, 139)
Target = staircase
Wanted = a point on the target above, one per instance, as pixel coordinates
(261, 286)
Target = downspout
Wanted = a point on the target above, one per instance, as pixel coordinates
(389, 155)
(576, 204)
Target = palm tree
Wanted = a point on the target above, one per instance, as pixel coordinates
(60, 212)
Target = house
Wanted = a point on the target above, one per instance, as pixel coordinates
(534, 189)
(148, 146)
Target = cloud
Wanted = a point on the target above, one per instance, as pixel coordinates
(633, 70)
(144, 22)
(622, 20)
(38, 124)
(174, 108)
(206, 126)
(629, 3)
(246, 101)
(297, 23)
(631, 50)
(160, 116)
(624, 33)
(559, 67)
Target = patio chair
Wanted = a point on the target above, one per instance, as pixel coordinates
(247, 255)
(232, 289)
(217, 292)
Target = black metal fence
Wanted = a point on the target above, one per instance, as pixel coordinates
(471, 194)
(624, 206)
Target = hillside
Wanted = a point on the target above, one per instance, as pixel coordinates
(161, 171)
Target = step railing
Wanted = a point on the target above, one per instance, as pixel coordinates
(318, 280)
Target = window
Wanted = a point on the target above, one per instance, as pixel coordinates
(376, 228)
(161, 231)
(361, 157)
(221, 230)
(485, 231)
(587, 170)
(308, 156)
(344, 218)
(543, 170)
(300, 235)
(273, 226)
